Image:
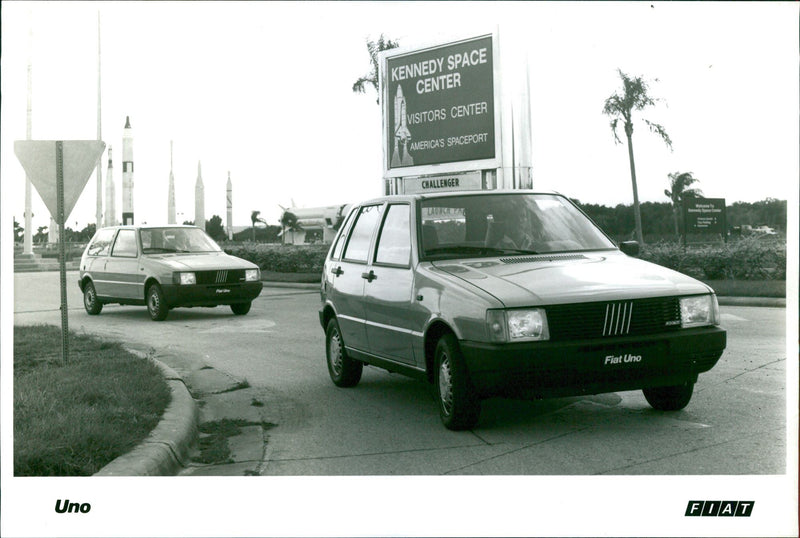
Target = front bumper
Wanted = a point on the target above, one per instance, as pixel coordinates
(554, 369)
(211, 295)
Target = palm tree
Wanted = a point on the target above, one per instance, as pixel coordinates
(289, 222)
(620, 107)
(678, 191)
(374, 47)
(254, 217)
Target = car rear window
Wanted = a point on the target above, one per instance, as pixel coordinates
(101, 242)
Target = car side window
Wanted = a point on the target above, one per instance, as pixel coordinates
(101, 243)
(394, 242)
(125, 245)
(340, 239)
(357, 248)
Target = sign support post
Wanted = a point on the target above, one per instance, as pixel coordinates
(62, 251)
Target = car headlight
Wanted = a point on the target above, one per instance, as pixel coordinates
(184, 279)
(699, 310)
(522, 325)
(251, 275)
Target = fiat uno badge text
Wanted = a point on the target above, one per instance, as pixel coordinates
(620, 359)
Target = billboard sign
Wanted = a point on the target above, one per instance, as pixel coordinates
(704, 215)
(439, 105)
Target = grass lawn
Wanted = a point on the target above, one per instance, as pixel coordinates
(73, 419)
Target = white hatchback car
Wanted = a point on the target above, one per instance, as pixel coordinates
(164, 267)
(500, 293)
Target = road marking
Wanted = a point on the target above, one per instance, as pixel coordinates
(238, 328)
(731, 317)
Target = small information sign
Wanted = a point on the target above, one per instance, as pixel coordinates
(704, 215)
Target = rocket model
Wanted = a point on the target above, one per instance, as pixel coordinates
(171, 192)
(229, 190)
(199, 201)
(127, 173)
(111, 195)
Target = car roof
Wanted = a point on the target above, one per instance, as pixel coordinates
(146, 226)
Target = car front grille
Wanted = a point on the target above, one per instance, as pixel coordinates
(220, 277)
(616, 318)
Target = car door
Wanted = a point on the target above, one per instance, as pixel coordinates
(388, 288)
(95, 261)
(347, 284)
(122, 271)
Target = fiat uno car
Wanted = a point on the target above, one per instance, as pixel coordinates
(164, 267)
(504, 293)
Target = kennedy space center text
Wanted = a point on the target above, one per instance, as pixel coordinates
(440, 73)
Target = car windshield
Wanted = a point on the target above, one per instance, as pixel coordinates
(505, 224)
(161, 240)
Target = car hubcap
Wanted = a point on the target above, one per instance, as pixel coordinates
(90, 297)
(154, 302)
(336, 353)
(445, 385)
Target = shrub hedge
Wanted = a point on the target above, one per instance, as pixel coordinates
(746, 259)
(282, 258)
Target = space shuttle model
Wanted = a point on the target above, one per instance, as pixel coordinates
(313, 224)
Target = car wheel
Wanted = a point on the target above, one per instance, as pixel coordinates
(240, 309)
(90, 302)
(670, 398)
(156, 305)
(344, 371)
(459, 405)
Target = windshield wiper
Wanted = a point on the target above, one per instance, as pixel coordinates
(518, 250)
(455, 249)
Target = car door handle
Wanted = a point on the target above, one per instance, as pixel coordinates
(369, 276)
(337, 271)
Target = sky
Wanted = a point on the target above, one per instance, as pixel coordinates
(263, 91)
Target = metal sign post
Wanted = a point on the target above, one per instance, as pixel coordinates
(62, 251)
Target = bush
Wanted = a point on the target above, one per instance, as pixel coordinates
(282, 258)
(747, 259)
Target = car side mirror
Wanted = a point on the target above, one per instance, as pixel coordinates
(631, 248)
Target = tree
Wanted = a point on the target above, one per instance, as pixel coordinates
(42, 234)
(254, 217)
(374, 47)
(678, 191)
(634, 97)
(18, 232)
(214, 228)
(289, 221)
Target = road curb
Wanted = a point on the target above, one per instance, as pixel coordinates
(166, 450)
(297, 285)
(778, 302)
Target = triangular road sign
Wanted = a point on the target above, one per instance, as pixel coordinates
(79, 159)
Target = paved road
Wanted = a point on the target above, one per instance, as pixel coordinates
(388, 424)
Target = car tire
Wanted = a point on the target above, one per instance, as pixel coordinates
(240, 309)
(672, 398)
(91, 303)
(459, 405)
(344, 371)
(156, 305)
